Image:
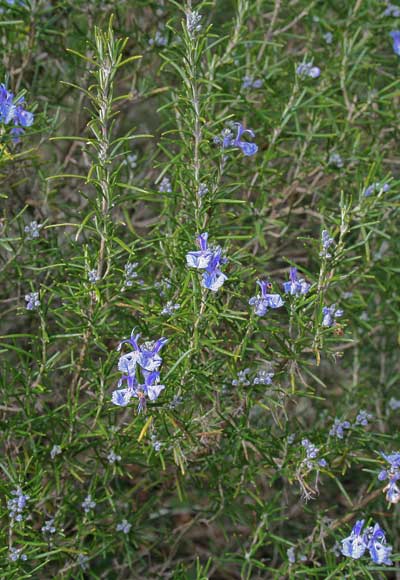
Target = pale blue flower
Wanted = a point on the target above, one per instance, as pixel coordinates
(32, 230)
(378, 549)
(213, 278)
(32, 300)
(170, 308)
(247, 148)
(354, 546)
(326, 242)
(55, 450)
(295, 286)
(363, 417)
(307, 69)
(112, 457)
(330, 313)
(395, 34)
(376, 187)
(49, 527)
(17, 504)
(262, 302)
(201, 258)
(337, 429)
(242, 379)
(392, 10)
(263, 378)
(193, 26)
(88, 504)
(124, 527)
(336, 160)
(165, 185)
(16, 554)
(93, 276)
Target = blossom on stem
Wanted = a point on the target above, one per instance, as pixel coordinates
(395, 34)
(295, 286)
(330, 313)
(261, 302)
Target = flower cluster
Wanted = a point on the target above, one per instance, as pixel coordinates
(16, 554)
(372, 539)
(49, 527)
(93, 276)
(124, 527)
(130, 273)
(326, 242)
(32, 300)
(329, 315)
(336, 160)
(261, 302)
(311, 460)
(251, 83)
(146, 358)
(165, 185)
(208, 258)
(392, 474)
(193, 25)
(12, 111)
(17, 504)
(362, 418)
(228, 140)
(338, 427)
(376, 187)
(392, 10)
(112, 457)
(263, 377)
(32, 230)
(170, 308)
(88, 504)
(306, 69)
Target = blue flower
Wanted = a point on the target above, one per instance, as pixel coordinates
(229, 140)
(17, 504)
(363, 417)
(263, 377)
(124, 527)
(306, 69)
(296, 285)
(354, 546)
(326, 242)
(376, 187)
(201, 258)
(147, 358)
(12, 110)
(213, 278)
(337, 429)
(32, 230)
(32, 300)
(88, 504)
(208, 259)
(392, 10)
(378, 549)
(261, 302)
(393, 475)
(395, 34)
(330, 313)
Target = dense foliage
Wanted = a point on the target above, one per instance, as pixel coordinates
(222, 175)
